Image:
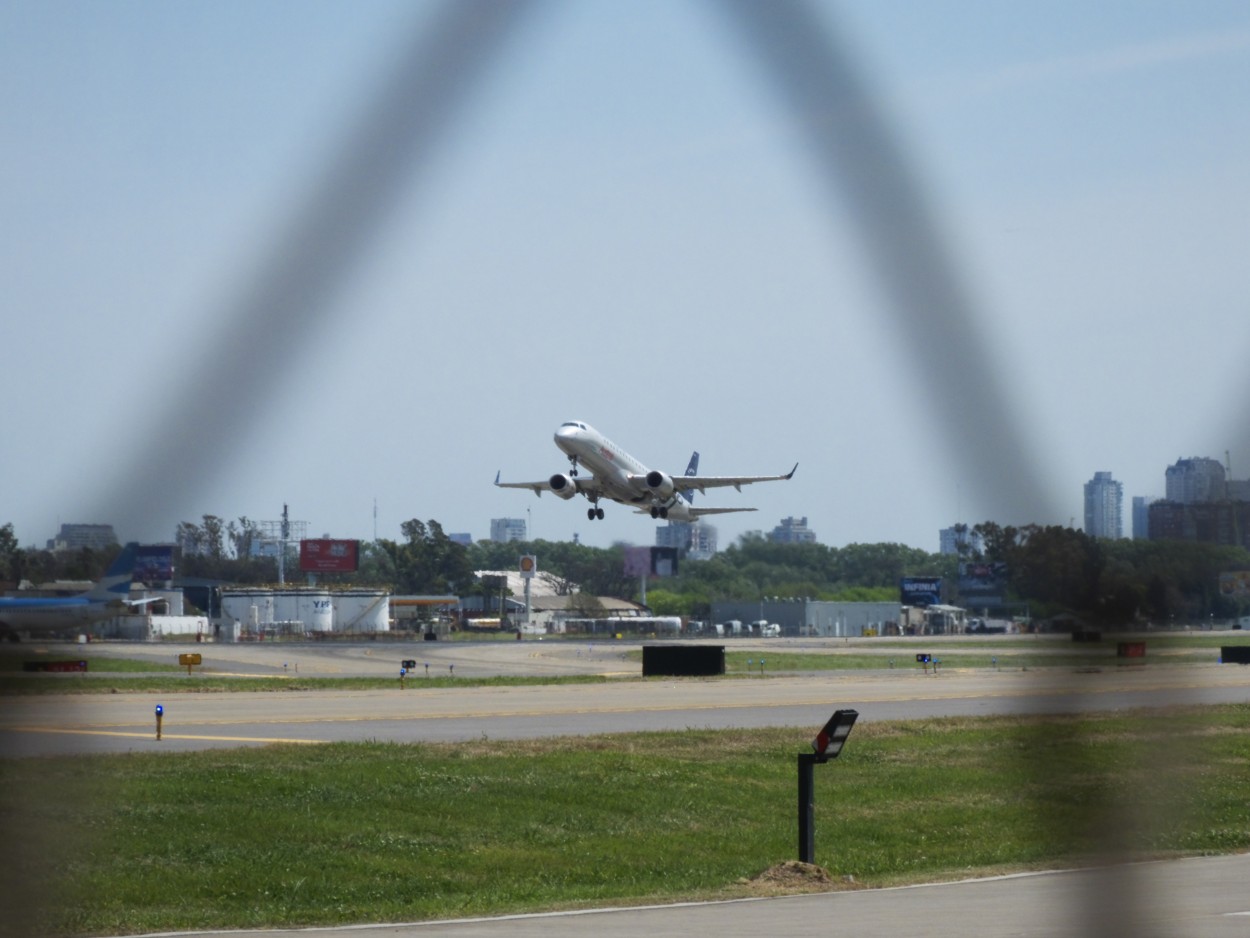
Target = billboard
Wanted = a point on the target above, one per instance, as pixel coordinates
(637, 561)
(664, 561)
(983, 583)
(651, 561)
(1235, 584)
(329, 556)
(920, 591)
(154, 563)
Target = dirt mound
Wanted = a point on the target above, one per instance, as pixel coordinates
(792, 877)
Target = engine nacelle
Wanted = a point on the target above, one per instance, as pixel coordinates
(660, 483)
(563, 485)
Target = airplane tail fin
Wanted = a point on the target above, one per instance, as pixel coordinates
(691, 470)
(115, 583)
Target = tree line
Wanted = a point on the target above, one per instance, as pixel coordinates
(1052, 569)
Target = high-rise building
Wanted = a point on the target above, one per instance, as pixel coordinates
(507, 529)
(1197, 480)
(696, 539)
(1223, 522)
(1104, 501)
(74, 537)
(792, 531)
(1141, 516)
(951, 539)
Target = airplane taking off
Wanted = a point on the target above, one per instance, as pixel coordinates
(103, 601)
(619, 477)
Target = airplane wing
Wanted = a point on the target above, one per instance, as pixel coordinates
(583, 486)
(703, 483)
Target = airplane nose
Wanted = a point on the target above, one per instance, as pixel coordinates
(566, 437)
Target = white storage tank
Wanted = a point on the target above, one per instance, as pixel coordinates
(251, 608)
(362, 611)
(227, 631)
(316, 611)
(312, 608)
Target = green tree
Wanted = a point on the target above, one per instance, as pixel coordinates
(244, 535)
(429, 561)
(1058, 565)
(10, 553)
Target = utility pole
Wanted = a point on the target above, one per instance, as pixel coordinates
(286, 533)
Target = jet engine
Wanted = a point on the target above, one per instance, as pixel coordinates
(563, 485)
(660, 483)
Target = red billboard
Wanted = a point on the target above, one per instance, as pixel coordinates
(327, 556)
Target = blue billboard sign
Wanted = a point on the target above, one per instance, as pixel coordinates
(920, 590)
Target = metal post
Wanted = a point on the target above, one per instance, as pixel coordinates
(807, 807)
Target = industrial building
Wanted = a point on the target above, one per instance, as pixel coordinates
(809, 617)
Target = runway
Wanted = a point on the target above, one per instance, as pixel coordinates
(122, 722)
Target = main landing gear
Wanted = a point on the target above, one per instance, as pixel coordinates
(594, 512)
(659, 512)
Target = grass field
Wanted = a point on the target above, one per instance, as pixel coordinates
(12, 661)
(381, 832)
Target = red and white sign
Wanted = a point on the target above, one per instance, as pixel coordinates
(329, 556)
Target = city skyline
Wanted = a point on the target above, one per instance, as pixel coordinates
(319, 253)
(1177, 475)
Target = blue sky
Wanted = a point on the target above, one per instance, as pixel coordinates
(619, 226)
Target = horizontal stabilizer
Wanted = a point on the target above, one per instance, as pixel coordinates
(699, 512)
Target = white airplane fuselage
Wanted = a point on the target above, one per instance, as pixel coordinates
(38, 615)
(607, 462)
(106, 599)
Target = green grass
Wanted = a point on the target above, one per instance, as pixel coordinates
(371, 832)
(963, 656)
(745, 662)
(12, 663)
